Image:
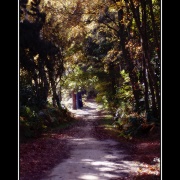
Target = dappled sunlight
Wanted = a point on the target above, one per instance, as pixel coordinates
(153, 169)
(113, 164)
(84, 112)
(119, 169)
(87, 160)
(88, 176)
(108, 169)
(110, 157)
(89, 111)
(92, 159)
(89, 89)
(86, 139)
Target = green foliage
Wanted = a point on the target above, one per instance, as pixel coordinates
(134, 125)
(33, 122)
(122, 98)
(134, 122)
(125, 91)
(59, 49)
(26, 91)
(103, 96)
(30, 124)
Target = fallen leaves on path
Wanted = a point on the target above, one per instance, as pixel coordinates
(38, 156)
(146, 151)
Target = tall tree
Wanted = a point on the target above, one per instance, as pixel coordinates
(36, 52)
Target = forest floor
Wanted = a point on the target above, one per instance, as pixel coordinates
(87, 151)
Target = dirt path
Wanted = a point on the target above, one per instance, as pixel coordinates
(85, 151)
(90, 158)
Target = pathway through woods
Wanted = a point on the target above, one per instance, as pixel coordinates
(90, 158)
(86, 152)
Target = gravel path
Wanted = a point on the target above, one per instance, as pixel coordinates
(92, 159)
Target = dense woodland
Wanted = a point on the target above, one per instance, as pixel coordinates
(109, 48)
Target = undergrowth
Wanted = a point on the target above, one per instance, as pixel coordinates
(130, 126)
(33, 122)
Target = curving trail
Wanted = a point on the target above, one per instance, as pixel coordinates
(90, 158)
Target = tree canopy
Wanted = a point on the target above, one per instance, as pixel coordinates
(111, 47)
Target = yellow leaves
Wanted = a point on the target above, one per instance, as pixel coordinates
(75, 31)
(120, 3)
(74, 58)
(134, 47)
(36, 58)
(111, 56)
(92, 25)
(112, 8)
(148, 169)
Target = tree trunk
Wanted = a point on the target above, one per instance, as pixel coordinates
(130, 66)
(44, 84)
(112, 78)
(55, 98)
(154, 30)
(146, 94)
(143, 34)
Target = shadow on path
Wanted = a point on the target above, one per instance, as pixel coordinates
(90, 158)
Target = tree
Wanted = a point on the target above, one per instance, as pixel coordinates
(41, 59)
(134, 26)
